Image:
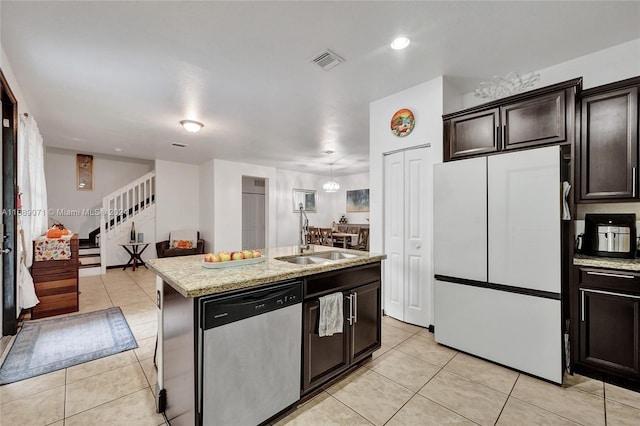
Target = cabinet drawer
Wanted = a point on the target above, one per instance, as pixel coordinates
(55, 305)
(340, 280)
(610, 279)
(50, 288)
(55, 276)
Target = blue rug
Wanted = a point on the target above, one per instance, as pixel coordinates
(49, 345)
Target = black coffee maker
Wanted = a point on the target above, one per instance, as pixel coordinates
(610, 235)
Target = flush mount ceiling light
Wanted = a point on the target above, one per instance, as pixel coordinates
(400, 43)
(192, 126)
(331, 186)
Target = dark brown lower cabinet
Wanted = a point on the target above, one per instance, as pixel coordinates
(326, 357)
(606, 314)
(609, 331)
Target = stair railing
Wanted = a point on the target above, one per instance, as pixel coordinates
(122, 206)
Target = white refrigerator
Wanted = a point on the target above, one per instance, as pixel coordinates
(497, 259)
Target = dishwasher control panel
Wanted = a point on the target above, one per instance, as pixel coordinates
(217, 311)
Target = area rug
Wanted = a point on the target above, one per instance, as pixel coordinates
(49, 345)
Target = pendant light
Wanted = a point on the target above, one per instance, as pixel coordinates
(331, 186)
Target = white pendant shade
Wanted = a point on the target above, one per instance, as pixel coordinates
(331, 186)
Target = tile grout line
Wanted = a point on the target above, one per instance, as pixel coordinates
(108, 402)
(507, 400)
(436, 402)
(604, 401)
(349, 408)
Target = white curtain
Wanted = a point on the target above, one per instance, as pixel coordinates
(33, 222)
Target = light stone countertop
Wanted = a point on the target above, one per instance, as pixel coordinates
(607, 262)
(187, 275)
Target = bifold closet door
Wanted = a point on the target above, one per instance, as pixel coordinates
(408, 269)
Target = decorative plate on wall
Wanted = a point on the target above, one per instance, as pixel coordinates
(402, 122)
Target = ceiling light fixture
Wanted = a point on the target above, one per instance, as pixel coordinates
(192, 126)
(400, 43)
(331, 186)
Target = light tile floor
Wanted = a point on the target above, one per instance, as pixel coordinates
(411, 380)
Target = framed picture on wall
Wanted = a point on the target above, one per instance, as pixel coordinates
(358, 200)
(306, 197)
(84, 167)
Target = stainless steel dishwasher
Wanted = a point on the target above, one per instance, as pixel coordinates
(250, 355)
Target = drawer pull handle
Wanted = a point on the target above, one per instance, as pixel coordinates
(604, 274)
(582, 305)
(609, 293)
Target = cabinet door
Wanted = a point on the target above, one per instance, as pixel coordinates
(609, 145)
(609, 335)
(324, 357)
(472, 134)
(537, 121)
(366, 322)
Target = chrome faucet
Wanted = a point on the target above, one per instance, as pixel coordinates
(303, 230)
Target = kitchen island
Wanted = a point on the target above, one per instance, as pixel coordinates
(226, 335)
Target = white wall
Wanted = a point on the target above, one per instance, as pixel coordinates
(602, 67)
(288, 220)
(109, 173)
(350, 183)
(207, 218)
(227, 204)
(426, 102)
(177, 197)
(144, 223)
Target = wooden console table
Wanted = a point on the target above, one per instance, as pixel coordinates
(56, 284)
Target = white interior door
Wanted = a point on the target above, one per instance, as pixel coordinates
(394, 235)
(524, 219)
(408, 272)
(460, 219)
(417, 247)
(253, 221)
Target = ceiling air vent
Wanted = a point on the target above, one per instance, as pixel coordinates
(327, 60)
(179, 145)
(258, 182)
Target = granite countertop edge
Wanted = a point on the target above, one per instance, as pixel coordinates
(617, 263)
(189, 278)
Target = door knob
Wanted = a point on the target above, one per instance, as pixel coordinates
(5, 251)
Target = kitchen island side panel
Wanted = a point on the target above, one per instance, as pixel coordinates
(178, 357)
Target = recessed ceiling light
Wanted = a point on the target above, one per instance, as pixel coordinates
(400, 43)
(191, 126)
(118, 149)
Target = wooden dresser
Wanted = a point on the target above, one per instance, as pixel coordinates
(56, 283)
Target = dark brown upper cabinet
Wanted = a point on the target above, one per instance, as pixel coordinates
(541, 120)
(475, 133)
(540, 117)
(609, 142)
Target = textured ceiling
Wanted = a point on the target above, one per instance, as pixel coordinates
(105, 75)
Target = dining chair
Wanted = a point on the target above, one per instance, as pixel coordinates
(326, 239)
(314, 235)
(363, 240)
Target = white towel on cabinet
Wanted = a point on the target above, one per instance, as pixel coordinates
(330, 316)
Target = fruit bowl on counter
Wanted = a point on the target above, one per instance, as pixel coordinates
(224, 259)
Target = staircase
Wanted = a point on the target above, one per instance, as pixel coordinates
(134, 202)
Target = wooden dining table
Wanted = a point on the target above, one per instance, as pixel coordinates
(345, 238)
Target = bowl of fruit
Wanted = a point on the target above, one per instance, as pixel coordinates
(224, 259)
